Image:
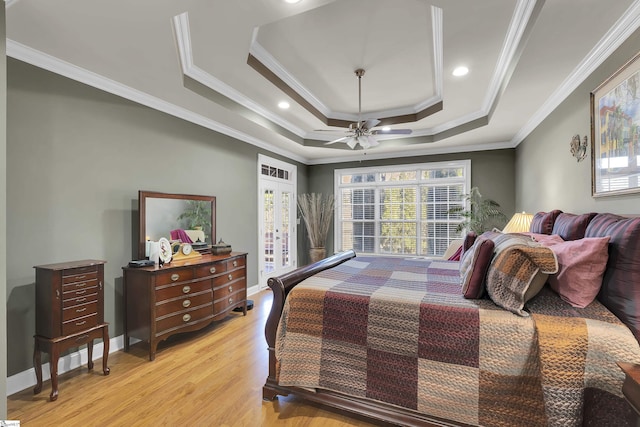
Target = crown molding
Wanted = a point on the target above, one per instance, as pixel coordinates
(47, 62)
(363, 155)
(189, 69)
(617, 34)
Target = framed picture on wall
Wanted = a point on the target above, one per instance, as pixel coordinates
(615, 132)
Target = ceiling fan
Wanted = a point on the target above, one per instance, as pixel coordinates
(362, 132)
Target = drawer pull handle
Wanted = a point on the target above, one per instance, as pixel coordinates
(230, 288)
(175, 277)
(80, 292)
(186, 303)
(81, 299)
(212, 270)
(57, 293)
(80, 277)
(81, 323)
(186, 289)
(230, 277)
(79, 285)
(80, 310)
(235, 263)
(186, 317)
(230, 300)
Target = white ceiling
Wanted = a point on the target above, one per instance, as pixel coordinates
(190, 59)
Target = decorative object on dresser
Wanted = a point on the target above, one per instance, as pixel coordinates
(69, 313)
(182, 296)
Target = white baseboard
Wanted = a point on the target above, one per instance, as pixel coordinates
(26, 379)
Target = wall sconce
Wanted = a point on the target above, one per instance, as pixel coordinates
(579, 148)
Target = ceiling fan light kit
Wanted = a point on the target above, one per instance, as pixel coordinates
(361, 132)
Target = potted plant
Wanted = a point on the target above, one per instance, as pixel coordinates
(317, 213)
(197, 214)
(482, 215)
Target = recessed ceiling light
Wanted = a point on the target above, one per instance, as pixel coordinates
(460, 71)
(386, 129)
(292, 1)
(283, 104)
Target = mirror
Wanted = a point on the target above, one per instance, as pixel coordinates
(161, 213)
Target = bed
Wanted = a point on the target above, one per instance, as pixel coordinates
(417, 341)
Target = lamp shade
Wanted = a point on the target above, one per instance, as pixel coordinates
(519, 223)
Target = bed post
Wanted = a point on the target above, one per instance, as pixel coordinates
(281, 286)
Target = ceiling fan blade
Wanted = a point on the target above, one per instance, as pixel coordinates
(343, 139)
(372, 141)
(391, 132)
(370, 123)
(352, 142)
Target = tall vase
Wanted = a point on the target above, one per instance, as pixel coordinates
(316, 254)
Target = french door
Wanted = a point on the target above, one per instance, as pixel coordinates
(277, 228)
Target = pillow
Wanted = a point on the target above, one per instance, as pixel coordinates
(570, 226)
(545, 239)
(473, 267)
(513, 275)
(456, 255)
(469, 239)
(581, 265)
(542, 222)
(620, 291)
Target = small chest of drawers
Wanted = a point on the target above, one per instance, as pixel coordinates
(182, 296)
(69, 313)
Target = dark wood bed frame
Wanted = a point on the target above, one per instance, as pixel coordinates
(281, 286)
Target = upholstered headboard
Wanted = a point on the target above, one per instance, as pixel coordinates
(620, 291)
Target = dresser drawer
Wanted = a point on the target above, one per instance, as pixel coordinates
(82, 296)
(79, 324)
(79, 274)
(187, 317)
(183, 303)
(211, 269)
(227, 301)
(79, 311)
(235, 263)
(228, 277)
(83, 284)
(174, 291)
(175, 275)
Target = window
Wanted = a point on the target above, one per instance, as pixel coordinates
(400, 210)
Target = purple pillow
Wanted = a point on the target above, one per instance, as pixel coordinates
(473, 267)
(570, 226)
(542, 222)
(620, 290)
(581, 265)
(469, 239)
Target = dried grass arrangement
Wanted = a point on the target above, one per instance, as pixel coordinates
(317, 213)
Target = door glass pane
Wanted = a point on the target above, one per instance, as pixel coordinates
(286, 227)
(269, 228)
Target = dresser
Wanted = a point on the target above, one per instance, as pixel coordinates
(182, 296)
(69, 313)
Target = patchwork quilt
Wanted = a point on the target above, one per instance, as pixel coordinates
(398, 330)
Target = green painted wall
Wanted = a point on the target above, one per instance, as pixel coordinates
(548, 177)
(76, 158)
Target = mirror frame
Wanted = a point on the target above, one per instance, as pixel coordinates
(142, 212)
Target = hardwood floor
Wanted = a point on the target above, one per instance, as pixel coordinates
(213, 377)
